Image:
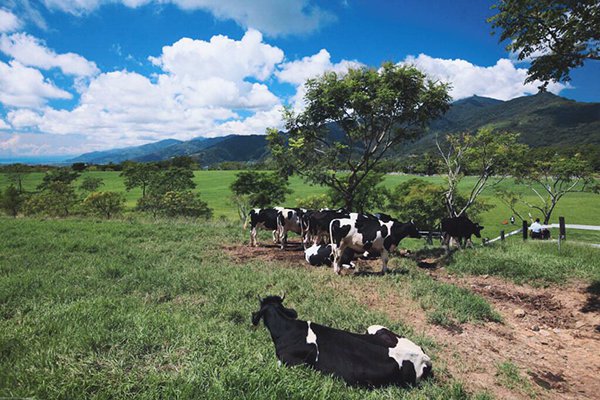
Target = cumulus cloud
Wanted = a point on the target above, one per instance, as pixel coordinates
(201, 86)
(501, 81)
(21, 86)
(273, 17)
(3, 124)
(8, 21)
(30, 51)
(298, 71)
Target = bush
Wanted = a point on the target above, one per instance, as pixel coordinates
(314, 202)
(56, 200)
(419, 200)
(11, 200)
(105, 204)
(175, 204)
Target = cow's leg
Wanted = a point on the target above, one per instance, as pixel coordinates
(275, 236)
(337, 257)
(384, 259)
(283, 238)
(253, 237)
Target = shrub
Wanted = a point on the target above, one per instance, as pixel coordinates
(11, 200)
(314, 202)
(419, 200)
(184, 204)
(105, 204)
(56, 200)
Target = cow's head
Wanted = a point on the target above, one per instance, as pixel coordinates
(477, 230)
(411, 230)
(275, 302)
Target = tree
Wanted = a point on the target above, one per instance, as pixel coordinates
(171, 180)
(419, 200)
(11, 200)
(56, 200)
(91, 184)
(138, 175)
(105, 204)
(15, 174)
(556, 35)
(553, 178)
(184, 204)
(489, 156)
(253, 189)
(351, 121)
(78, 166)
(64, 176)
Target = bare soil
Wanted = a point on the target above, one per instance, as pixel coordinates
(554, 337)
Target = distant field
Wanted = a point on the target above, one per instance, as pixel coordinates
(577, 208)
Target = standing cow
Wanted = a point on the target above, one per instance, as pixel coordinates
(460, 229)
(289, 219)
(265, 218)
(367, 233)
(376, 358)
(318, 224)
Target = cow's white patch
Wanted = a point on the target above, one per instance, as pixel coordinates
(407, 350)
(373, 329)
(311, 251)
(311, 338)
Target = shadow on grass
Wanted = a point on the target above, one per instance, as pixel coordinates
(402, 271)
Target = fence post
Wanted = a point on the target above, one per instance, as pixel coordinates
(430, 238)
(562, 229)
(525, 230)
(502, 235)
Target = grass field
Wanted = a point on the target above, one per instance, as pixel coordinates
(577, 208)
(111, 309)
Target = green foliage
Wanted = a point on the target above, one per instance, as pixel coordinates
(104, 204)
(369, 195)
(314, 202)
(173, 179)
(91, 183)
(419, 200)
(11, 200)
(56, 200)
(184, 204)
(138, 175)
(260, 189)
(509, 376)
(64, 176)
(351, 121)
(556, 36)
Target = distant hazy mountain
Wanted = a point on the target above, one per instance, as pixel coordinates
(542, 120)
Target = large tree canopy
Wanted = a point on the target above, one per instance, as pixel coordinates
(556, 36)
(350, 121)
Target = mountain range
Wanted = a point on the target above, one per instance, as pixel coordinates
(542, 120)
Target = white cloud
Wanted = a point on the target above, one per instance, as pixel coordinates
(220, 57)
(501, 81)
(3, 124)
(254, 124)
(273, 17)
(21, 86)
(297, 72)
(8, 21)
(30, 51)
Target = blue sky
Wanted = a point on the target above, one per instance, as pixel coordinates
(83, 75)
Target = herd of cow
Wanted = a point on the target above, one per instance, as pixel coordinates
(338, 237)
(378, 357)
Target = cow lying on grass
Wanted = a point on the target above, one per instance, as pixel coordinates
(377, 358)
(322, 254)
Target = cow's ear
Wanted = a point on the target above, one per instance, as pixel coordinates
(256, 316)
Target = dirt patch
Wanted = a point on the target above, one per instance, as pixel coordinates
(554, 338)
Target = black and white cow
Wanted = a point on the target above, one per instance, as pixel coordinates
(368, 233)
(289, 220)
(459, 228)
(265, 218)
(322, 254)
(374, 359)
(318, 224)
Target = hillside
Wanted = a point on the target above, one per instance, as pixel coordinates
(542, 120)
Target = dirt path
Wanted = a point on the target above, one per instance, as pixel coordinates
(551, 334)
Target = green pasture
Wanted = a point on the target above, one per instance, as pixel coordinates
(577, 208)
(156, 310)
